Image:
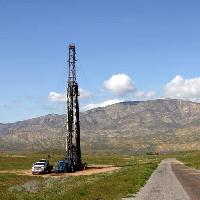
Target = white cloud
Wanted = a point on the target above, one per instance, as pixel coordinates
(102, 104)
(145, 95)
(54, 96)
(179, 87)
(62, 97)
(84, 93)
(119, 84)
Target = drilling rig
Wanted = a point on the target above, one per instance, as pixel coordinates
(73, 149)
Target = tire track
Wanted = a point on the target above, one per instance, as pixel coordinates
(189, 178)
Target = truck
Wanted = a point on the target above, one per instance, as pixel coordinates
(41, 167)
(64, 166)
(61, 166)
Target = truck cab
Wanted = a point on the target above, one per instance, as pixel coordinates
(61, 166)
(41, 167)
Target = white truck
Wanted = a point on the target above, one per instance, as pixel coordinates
(41, 167)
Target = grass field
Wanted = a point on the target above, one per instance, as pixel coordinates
(191, 159)
(134, 172)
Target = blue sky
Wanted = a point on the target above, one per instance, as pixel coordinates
(154, 45)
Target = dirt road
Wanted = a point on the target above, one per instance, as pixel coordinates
(164, 185)
(92, 169)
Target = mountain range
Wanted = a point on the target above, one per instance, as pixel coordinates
(136, 126)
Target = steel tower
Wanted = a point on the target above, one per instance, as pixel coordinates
(73, 150)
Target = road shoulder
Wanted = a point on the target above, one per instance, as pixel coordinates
(162, 185)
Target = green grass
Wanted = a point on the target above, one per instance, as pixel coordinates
(134, 172)
(191, 159)
(14, 162)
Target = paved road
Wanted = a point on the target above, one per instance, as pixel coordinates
(189, 179)
(164, 185)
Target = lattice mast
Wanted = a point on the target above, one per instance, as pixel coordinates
(73, 150)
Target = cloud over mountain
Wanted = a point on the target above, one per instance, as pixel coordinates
(61, 97)
(141, 95)
(179, 87)
(57, 97)
(119, 84)
(102, 104)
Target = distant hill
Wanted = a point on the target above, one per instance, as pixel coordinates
(138, 126)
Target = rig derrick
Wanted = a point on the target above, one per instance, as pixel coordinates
(73, 149)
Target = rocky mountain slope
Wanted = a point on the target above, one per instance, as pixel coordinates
(156, 125)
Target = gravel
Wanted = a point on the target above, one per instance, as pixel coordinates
(162, 185)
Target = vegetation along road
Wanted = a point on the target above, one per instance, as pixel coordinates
(172, 180)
